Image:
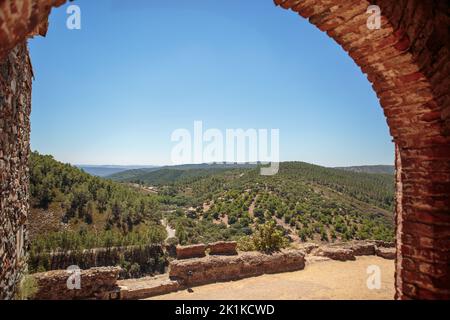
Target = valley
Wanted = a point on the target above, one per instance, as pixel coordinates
(72, 210)
(308, 202)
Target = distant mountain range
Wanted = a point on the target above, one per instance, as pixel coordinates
(106, 170)
(387, 169)
(127, 173)
(131, 171)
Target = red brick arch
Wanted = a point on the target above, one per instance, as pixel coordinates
(407, 62)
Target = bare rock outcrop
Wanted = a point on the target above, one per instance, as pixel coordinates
(226, 268)
(225, 248)
(95, 283)
(192, 251)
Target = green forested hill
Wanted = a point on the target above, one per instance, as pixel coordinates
(309, 202)
(386, 169)
(76, 208)
(164, 176)
(170, 174)
(376, 189)
(206, 203)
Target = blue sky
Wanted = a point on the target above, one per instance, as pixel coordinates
(114, 91)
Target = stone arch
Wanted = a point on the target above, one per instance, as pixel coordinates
(407, 62)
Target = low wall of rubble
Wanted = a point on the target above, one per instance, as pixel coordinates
(212, 269)
(192, 251)
(94, 283)
(350, 250)
(225, 248)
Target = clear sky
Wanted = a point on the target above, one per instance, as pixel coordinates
(114, 91)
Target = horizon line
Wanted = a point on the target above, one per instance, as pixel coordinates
(222, 163)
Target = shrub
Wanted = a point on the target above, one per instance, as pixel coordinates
(173, 241)
(28, 287)
(302, 235)
(246, 244)
(135, 270)
(267, 238)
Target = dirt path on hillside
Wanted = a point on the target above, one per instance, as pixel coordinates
(319, 280)
(170, 232)
(251, 209)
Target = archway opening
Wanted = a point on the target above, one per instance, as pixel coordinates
(402, 61)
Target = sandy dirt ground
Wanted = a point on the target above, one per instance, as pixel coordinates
(319, 280)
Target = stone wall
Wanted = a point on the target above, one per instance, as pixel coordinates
(15, 106)
(226, 248)
(223, 248)
(350, 250)
(143, 288)
(191, 251)
(212, 269)
(95, 283)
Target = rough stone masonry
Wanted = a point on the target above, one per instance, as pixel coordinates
(15, 107)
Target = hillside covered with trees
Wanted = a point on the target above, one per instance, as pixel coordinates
(72, 209)
(308, 202)
(386, 169)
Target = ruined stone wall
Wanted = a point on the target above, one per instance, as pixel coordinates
(191, 251)
(225, 248)
(210, 269)
(95, 283)
(15, 107)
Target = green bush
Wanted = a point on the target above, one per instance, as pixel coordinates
(28, 288)
(267, 239)
(246, 243)
(173, 241)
